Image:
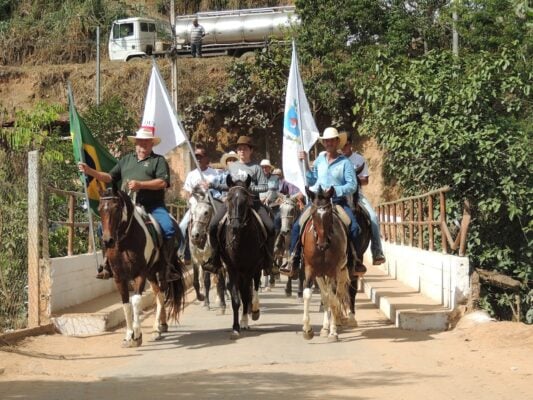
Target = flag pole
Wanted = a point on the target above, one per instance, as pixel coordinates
(299, 114)
(84, 180)
(156, 67)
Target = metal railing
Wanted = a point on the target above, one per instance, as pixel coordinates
(411, 221)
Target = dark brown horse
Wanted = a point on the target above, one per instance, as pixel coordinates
(324, 241)
(242, 250)
(133, 255)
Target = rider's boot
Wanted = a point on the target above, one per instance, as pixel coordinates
(292, 266)
(104, 270)
(169, 273)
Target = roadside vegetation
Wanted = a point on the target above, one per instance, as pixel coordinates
(385, 70)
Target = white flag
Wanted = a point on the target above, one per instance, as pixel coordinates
(159, 114)
(299, 128)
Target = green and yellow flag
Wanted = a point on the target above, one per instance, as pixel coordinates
(87, 149)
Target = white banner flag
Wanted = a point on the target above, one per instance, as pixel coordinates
(159, 114)
(299, 128)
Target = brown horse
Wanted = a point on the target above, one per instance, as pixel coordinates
(242, 250)
(324, 241)
(133, 254)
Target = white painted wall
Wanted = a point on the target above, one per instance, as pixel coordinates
(73, 281)
(441, 277)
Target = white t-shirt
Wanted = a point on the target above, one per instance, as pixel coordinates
(194, 178)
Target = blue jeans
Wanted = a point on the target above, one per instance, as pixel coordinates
(196, 49)
(184, 224)
(375, 244)
(162, 217)
(353, 230)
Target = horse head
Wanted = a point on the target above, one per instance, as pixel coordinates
(239, 202)
(288, 212)
(322, 216)
(201, 214)
(112, 212)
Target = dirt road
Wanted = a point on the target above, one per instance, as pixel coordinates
(272, 360)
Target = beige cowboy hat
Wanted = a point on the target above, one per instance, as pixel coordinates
(332, 133)
(277, 171)
(265, 163)
(145, 132)
(247, 140)
(228, 156)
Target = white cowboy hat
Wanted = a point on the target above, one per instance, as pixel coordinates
(332, 133)
(145, 132)
(228, 156)
(265, 163)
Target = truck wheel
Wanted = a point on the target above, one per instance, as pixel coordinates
(134, 59)
(149, 50)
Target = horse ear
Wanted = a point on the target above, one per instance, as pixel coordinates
(310, 194)
(330, 192)
(229, 181)
(320, 192)
(248, 181)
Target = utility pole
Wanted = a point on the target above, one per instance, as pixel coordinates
(174, 57)
(98, 65)
(455, 35)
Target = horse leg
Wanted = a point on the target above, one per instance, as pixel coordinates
(256, 312)
(301, 281)
(353, 293)
(160, 322)
(307, 328)
(196, 282)
(221, 290)
(325, 298)
(235, 305)
(122, 287)
(136, 306)
(245, 290)
(288, 288)
(207, 288)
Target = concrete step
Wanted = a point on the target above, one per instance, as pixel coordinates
(403, 305)
(101, 314)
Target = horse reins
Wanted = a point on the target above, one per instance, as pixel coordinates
(131, 217)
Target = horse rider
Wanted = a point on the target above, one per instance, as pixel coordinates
(225, 161)
(360, 163)
(270, 196)
(148, 175)
(240, 170)
(330, 169)
(288, 189)
(193, 179)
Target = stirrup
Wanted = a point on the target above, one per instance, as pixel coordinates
(104, 273)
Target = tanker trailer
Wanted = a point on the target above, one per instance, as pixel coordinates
(235, 32)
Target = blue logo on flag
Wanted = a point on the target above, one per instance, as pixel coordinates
(290, 123)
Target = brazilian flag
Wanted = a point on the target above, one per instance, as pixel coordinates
(87, 149)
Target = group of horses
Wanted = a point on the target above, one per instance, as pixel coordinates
(133, 253)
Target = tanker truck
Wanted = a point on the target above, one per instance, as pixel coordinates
(232, 32)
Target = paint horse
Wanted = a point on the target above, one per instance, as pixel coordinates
(324, 241)
(201, 213)
(242, 241)
(133, 255)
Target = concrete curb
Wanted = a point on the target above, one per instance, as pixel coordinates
(103, 314)
(403, 305)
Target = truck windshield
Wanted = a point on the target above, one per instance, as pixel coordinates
(122, 30)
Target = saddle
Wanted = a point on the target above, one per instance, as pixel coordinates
(338, 211)
(152, 225)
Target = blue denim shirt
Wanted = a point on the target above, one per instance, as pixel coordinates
(340, 174)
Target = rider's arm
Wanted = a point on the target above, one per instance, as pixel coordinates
(259, 181)
(98, 175)
(350, 181)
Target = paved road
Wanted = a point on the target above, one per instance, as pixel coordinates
(197, 360)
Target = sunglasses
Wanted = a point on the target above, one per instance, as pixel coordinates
(198, 156)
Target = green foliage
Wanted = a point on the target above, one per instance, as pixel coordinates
(110, 123)
(466, 123)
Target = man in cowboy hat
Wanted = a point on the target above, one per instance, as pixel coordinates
(271, 195)
(147, 174)
(240, 169)
(330, 169)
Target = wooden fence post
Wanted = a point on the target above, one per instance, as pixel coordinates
(34, 190)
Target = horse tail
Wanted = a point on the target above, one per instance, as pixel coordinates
(175, 296)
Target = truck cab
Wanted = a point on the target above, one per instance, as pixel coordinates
(132, 37)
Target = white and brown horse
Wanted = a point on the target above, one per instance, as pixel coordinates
(324, 241)
(133, 255)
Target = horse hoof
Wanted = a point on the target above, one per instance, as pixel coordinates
(235, 335)
(137, 342)
(206, 306)
(200, 297)
(333, 338)
(256, 315)
(324, 332)
(156, 336)
(352, 322)
(222, 311)
(163, 328)
(288, 293)
(308, 335)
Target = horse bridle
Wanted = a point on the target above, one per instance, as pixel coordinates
(250, 195)
(200, 220)
(328, 234)
(130, 217)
